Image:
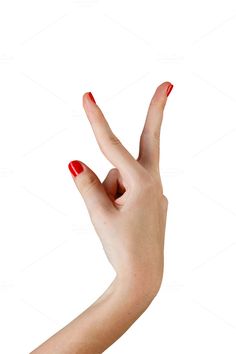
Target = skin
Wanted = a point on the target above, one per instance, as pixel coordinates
(128, 211)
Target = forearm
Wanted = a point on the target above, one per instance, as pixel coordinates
(100, 325)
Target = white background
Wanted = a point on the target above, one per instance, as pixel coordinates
(52, 264)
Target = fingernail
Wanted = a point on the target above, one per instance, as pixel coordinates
(91, 97)
(169, 89)
(75, 168)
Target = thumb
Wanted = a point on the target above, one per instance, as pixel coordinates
(90, 187)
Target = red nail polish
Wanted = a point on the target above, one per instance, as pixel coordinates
(91, 97)
(75, 168)
(169, 89)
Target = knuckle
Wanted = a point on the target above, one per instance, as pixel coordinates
(114, 140)
(108, 140)
(114, 171)
(164, 201)
(111, 174)
(151, 135)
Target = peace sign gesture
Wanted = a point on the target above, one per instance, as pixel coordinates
(128, 209)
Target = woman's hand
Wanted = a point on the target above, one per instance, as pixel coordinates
(128, 210)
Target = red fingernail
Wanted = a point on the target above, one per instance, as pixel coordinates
(91, 97)
(75, 168)
(169, 89)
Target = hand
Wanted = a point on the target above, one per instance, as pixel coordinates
(128, 209)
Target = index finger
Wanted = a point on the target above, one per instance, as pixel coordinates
(109, 144)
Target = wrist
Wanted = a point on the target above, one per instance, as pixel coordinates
(141, 274)
(141, 285)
